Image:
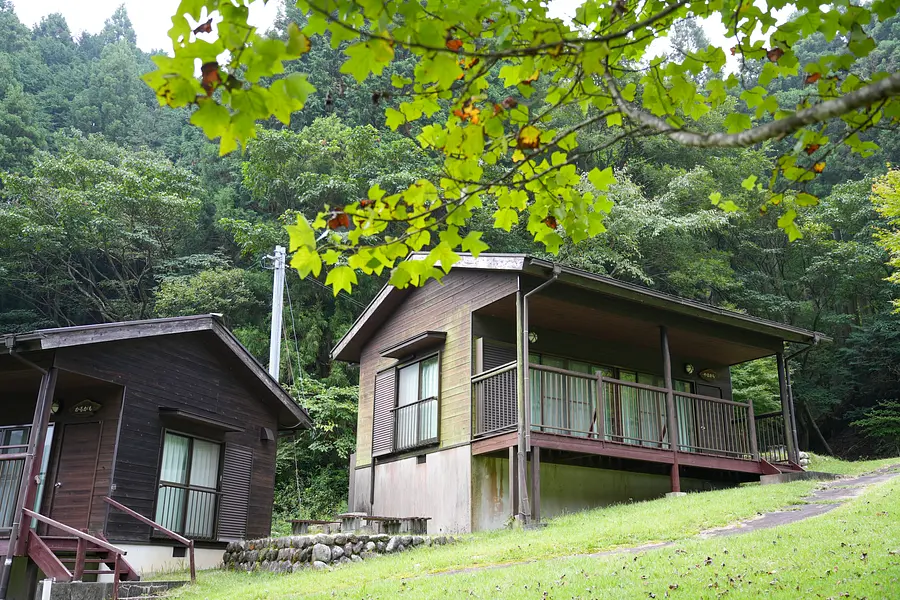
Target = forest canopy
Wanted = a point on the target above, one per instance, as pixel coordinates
(451, 64)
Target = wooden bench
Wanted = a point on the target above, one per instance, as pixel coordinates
(391, 525)
(301, 526)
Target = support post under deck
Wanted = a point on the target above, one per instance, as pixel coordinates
(671, 420)
(536, 484)
(786, 407)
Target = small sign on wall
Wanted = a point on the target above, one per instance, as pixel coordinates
(85, 408)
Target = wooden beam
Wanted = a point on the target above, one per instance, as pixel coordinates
(44, 558)
(636, 452)
(494, 443)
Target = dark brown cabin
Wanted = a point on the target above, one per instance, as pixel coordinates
(171, 418)
(520, 388)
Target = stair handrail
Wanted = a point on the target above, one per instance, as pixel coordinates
(171, 534)
(72, 531)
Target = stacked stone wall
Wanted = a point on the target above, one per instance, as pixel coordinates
(289, 554)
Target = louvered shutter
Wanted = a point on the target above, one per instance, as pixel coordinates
(383, 416)
(496, 355)
(236, 473)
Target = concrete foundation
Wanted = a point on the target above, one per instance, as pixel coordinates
(78, 590)
(437, 488)
(564, 489)
(797, 476)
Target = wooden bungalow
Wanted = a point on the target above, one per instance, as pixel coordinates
(517, 388)
(128, 437)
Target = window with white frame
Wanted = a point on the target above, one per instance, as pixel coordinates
(187, 501)
(416, 413)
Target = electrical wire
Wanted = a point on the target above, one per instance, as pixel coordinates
(294, 330)
(342, 293)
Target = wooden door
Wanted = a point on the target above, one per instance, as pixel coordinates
(76, 469)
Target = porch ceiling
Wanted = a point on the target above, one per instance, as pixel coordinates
(610, 322)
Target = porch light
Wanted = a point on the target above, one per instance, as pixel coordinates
(532, 337)
(54, 408)
(689, 368)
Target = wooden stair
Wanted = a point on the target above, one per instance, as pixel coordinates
(64, 558)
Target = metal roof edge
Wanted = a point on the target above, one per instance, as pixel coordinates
(485, 261)
(66, 337)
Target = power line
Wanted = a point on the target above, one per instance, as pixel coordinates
(294, 331)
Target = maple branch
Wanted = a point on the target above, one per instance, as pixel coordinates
(870, 94)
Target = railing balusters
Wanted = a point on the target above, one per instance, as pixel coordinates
(585, 405)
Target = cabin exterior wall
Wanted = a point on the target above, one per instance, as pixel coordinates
(180, 372)
(438, 488)
(437, 306)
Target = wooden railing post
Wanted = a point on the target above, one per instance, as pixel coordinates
(80, 552)
(601, 408)
(18, 536)
(193, 564)
(115, 590)
(751, 431)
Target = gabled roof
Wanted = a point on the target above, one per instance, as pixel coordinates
(289, 413)
(349, 347)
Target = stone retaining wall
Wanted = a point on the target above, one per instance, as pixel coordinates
(289, 554)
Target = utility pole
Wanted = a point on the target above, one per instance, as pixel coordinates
(277, 306)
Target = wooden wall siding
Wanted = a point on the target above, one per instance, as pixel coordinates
(189, 372)
(447, 307)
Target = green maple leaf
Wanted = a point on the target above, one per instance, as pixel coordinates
(301, 235)
(472, 243)
(367, 57)
(341, 278)
(212, 117)
(602, 179)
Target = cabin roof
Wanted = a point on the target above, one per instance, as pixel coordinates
(290, 414)
(389, 298)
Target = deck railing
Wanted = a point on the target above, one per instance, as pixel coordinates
(770, 433)
(592, 406)
(568, 403)
(494, 396)
(416, 424)
(712, 426)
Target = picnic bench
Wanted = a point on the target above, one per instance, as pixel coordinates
(391, 525)
(301, 526)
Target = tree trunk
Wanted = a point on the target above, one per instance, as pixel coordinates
(815, 428)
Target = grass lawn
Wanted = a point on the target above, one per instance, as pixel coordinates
(829, 464)
(552, 548)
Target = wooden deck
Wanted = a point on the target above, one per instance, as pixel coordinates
(503, 441)
(592, 414)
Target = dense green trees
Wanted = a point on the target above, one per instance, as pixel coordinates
(112, 207)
